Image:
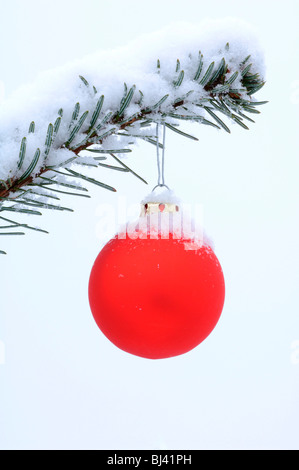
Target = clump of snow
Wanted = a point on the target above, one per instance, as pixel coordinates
(162, 194)
(107, 71)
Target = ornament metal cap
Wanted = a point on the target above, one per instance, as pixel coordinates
(158, 207)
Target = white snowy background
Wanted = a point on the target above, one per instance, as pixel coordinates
(63, 385)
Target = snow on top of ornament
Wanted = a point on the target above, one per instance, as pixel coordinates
(162, 194)
(163, 216)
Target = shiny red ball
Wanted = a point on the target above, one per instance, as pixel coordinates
(156, 298)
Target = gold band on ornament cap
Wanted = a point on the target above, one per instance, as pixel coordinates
(156, 207)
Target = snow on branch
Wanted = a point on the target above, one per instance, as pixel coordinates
(205, 73)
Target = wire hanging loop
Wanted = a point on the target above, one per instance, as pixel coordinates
(161, 159)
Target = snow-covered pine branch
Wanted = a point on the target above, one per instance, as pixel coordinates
(205, 73)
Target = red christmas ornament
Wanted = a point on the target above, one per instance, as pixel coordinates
(155, 292)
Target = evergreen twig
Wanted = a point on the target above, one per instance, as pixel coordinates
(220, 95)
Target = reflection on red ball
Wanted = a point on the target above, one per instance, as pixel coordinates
(155, 298)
